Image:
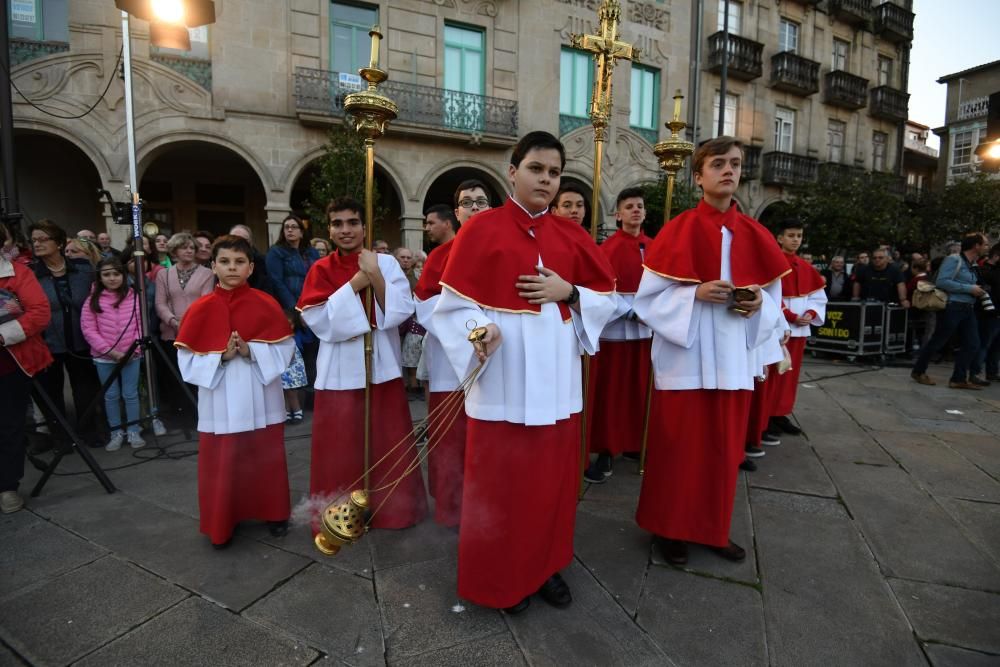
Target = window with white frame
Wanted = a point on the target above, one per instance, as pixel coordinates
(879, 142)
(784, 129)
(41, 20)
(735, 16)
(788, 36)
(835, 132)
(884, 71)
(841, 51)
(350, 46)
(732, 109)
(962, 144)
(645, 110)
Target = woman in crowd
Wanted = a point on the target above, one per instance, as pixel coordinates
(80, 248)
(66, 283)
(176, 289)
(161, 248)
(14, 248)
(22, 355)
(322, 247)
(203, 247)
(288, 261)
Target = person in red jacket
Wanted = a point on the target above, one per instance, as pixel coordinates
(24, 315)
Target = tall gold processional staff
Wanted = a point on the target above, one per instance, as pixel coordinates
(607, 50)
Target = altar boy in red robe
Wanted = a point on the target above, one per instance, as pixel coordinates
(804, 306)
(234, 344)
(705, 337)
(619, 373)
(543, 291)
(331, 305)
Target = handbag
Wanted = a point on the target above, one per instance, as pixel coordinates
(10, 306)
(928, 297)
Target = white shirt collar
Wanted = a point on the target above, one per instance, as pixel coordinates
(530, 214)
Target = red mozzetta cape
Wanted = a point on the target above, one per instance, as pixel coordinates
(328, 275)
(624, 251)
(255, 315)
(802, 280)
(497, 246)
(689, 248)
(430, 278)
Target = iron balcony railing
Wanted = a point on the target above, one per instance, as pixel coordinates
(851, 11)
(843, 89)
(893, 22)
(794, 74)
(788, 168)
(323, 92)
(751, 163)
(746, 57)
(889, 104)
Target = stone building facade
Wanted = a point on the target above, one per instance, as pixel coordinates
(966, 107)
(229, 131)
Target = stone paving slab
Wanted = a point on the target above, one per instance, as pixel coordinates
(949, 615)
(591, 631)
(911, 535)
(421, 610)
(981, 522)
(702, 560)
(425, 541)
(979, 449)
(172, 485)
(937, 467)
(328, 610)
(354, 559)
(792, 466)
(950, 656)
(8, 659)
(825, 601)
(500, 650)
(32, 549)
(57, 622)
(197, 633)
(989, 420)
(615, 551)
(170, 545)
(876, 413)
(700, 620)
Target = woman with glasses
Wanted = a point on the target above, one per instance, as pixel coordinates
(66, 283)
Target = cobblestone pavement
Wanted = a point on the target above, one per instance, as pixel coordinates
(874, 539)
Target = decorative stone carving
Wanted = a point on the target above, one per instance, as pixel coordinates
(575, 26)
(586, 4)
(646, 13)
(652, 50)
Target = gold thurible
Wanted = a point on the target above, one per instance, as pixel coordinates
(342, 524)
(672, 153)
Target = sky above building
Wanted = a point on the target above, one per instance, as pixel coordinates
(948, 36)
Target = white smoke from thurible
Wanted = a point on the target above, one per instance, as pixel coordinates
(306, 512)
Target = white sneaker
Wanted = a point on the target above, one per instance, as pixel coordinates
(158, 428)
(135, 440)
(10, 502)
(769, 440)
(115, 443)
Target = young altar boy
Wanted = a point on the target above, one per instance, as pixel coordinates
(234, 343)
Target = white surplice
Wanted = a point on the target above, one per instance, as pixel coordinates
(340, 324)
(439, 370)
(815, 302)
(701, 345)
(240, 394)
(534, 377)
(622, 326)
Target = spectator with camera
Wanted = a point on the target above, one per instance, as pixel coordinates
(958, 278)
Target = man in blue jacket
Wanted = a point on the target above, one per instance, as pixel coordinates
(958, 276)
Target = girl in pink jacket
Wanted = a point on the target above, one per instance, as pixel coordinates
(110, 324)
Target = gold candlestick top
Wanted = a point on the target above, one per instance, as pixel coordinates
(376, 35)
(677, 104)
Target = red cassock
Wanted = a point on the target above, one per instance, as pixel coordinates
(241, 476)
(619, 373)
(697, 436)
(447, 424)
(337, 465)
(760, 407)
(803, 279)
(521, 482)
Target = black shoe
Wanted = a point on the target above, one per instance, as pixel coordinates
(753, 452)
(555, 591)
(674, 552)
(748, 465)
(599, 471)
(223, 545)
(519, 607)
(978, 381)
(277, 528)
(784, 425)
(732, 551)
(631, 456)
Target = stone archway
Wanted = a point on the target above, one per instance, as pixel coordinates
(57, 180)
(197, 185)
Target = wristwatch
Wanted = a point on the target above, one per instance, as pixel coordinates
(573, 297)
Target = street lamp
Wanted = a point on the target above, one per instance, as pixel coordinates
(170, 19)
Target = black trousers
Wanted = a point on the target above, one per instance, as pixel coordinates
(15, 391)
(84, 386)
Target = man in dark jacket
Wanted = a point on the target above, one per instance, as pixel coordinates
(989, 323)
(258, 279)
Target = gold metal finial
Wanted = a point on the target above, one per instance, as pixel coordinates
(673, 151)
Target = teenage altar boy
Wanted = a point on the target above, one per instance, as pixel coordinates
(710, 293)
(543, 291)
(234, 344)
(331, 305)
